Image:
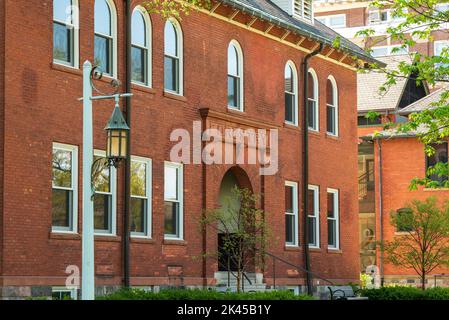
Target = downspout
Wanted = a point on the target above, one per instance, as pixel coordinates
(305, 161)
(381, 261)
(127, 175)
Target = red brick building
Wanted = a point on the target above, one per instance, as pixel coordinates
(225, 67)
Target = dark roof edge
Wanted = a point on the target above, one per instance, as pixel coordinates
(291, 27)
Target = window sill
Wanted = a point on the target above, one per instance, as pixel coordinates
(142, 88)
(66, 68)
(291, 126)
(314, 249)
(175, 96)
(175, 242)
(435, 189)
(142, 240)
(313, 132)
(334, 251)
(61, 235)
(235, 110)
(332, 137)
(292, 248)
(107, 238)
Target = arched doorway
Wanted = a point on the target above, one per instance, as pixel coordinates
(230, 205)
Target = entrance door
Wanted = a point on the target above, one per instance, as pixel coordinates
(225, 260)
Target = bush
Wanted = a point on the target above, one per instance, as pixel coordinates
(198, 294)
(406, 293)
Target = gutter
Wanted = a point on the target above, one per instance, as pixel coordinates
(381, 262)
(289, 26)
(305, 174)
(127, 174)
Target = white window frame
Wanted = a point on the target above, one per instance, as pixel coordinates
(147, 48)
(113, 37)
(75, 26)
(180, 168)
(298, 7)
(442, 42)
(240, 61)
(292, 65)
(335, 106)
(316, 215)
(336, 218)
(295, 214)
(316, 97)
(389, 50)
(149, 186)
(327, 20)
(73, 291)
(113, 193)
(180, 57)
(74, 150)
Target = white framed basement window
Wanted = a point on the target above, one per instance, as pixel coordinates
(105, 199)
(140, 205)
(291, 214)
(64, 188)
(66, 32)
(314, 216)
(63, 293)
(333, 219)
(173, 201)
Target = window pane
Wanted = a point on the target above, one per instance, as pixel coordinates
(102, 18)
(331, 233)
(62, 168)
(138, 64)
(102, 210)
(290, 228)
(312, 115)
(233, 92)
(171, 40)
(138, 179)
(312, 231)
(102, 179)
(289, 199)
(233, 64)
(171, 74)
(62, 10)
(440, 155)
(102, 52)
(171, 218)
(61, 208)
(138, 29)
(330, 119)
(330, 93)
(311, 87)
(62, 42)
(289, 107)
(138, 215)
(330, 205)
(337, 21)
(311, 202)
(171, 183)
(288, 77)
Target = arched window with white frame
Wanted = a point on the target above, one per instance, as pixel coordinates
(312, 97)
(291, 93)
(105, 46)
(66, 32)
(332, 106)
(173, 57)
(141, 47)
(235, 76)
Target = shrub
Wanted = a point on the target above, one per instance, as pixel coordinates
(199, 294)
(406, 293)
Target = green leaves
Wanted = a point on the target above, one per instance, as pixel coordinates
(171, 8)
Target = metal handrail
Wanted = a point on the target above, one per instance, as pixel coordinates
(295, 266)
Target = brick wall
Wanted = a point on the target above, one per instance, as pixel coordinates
(42, 108)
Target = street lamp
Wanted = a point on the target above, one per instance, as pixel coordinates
(118, 132)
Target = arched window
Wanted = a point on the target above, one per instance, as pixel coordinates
(141, 46)
(105, 37)
(235, 76)
(312, 95)
(173, 57)
(65, 32)
(332, 106)
(291, 93)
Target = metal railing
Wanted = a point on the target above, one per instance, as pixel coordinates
(364, 184)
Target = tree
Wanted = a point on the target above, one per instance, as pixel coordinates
(424, 242)
(244, 231)
(418, 20)
(172, 8)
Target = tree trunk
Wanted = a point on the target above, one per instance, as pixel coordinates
(423, 281)
(239, 275)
